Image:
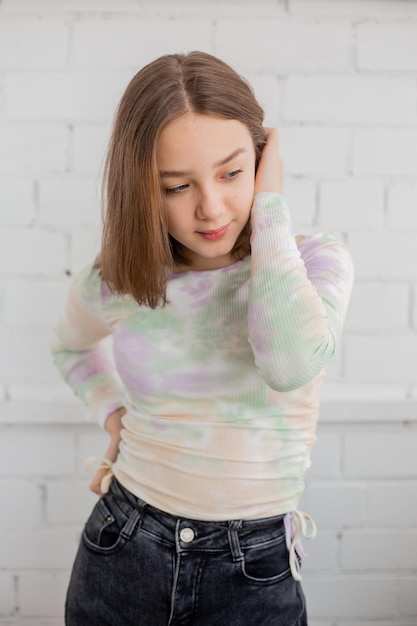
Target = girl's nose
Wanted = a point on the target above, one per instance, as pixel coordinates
(209, 206)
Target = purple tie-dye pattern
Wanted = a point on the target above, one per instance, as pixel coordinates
(222, 385)
(198, 292)
(80, 373)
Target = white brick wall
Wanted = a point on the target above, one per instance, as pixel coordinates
(339, 78)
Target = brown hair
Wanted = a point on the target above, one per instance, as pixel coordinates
(137, 252)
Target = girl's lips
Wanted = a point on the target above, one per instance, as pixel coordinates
(212, 235)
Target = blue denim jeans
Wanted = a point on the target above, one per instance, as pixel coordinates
(139, 566)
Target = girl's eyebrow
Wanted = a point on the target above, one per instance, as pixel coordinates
(181, 173)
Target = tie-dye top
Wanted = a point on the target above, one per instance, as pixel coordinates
(221, 385)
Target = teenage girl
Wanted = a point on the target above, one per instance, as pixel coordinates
(222, 324)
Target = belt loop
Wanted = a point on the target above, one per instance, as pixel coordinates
(136, 518)
(130, 525)
(234, 542)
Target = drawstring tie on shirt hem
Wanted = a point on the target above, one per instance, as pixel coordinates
(298, 524)
(92, 467)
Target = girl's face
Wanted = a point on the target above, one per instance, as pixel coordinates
(207, 170)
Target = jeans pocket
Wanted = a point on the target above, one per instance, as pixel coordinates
(266, 563)
(108, 528)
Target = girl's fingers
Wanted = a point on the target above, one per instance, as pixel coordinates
(97, 481)
(269, 176)
(101, 467)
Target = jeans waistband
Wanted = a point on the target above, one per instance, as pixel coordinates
(233, 535)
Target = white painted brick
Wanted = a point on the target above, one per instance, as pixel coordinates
(69, 96)
(30, 148)
(395, 622)
(69, 503)
(376, 550)
(148, 7)
(335, 369)
(217, 8)
(351, 99)
(336, 504)
(351, 597)
(36, 42)
(2, 305)
(408, 598)
(68, 6)
(351, 205)
(402, 207)
(143, 40)
(44, 300)
(267, 93)
(42, 595)
(69, 202)
(27, 357)
(321, 552)
(2, 100)
(30, 410)
(7, 595)
(384, 255)
(88, 148)
(385, 408)
(38, 395)
(85, 245)
(25, 507)
(38, 452)
(278, 46)
(402, 510)
(37, 549)
(325, 457)
(16, 202)
(32, 252)
(381, 359)
(338, 396)
(382, 455)
(380, 9)
(312, 151)
(300, 195)
(93, 443)
(385, 152)
(378, 306)
(42, 621)
(414, 311)
(388, 46)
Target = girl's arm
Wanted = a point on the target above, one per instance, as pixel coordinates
(78, 350)
(85, 364)
(113, 426)
(298, 293)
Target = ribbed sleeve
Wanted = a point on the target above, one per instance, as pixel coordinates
(78, 352)
(298, 297)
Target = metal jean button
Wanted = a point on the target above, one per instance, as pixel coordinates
(187, 535)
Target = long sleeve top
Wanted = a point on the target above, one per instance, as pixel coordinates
(222, 384)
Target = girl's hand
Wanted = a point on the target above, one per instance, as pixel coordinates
(270, 173)
(113, 426)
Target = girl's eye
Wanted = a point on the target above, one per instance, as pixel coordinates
(233, 174)
(177, 189)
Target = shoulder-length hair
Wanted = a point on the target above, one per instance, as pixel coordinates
(137, 252)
